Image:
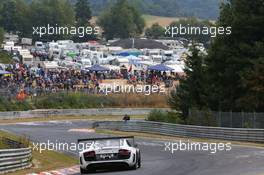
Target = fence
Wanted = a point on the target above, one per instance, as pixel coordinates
(227, 119)
(76, 112)
(235, 134)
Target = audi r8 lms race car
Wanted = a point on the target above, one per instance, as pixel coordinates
(108, 153)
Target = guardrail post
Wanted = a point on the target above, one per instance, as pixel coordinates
(254, 120)
(243, 120)
(231, 120)
(220, 118)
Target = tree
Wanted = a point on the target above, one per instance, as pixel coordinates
(8, 12)
(155, 31)
(193, 22)
(58, 13)
(83, 15)
(22, 18)
(191, 91)
(82, 12)
(233, 59)
(121, 21)
(2, 32)
(253, 82)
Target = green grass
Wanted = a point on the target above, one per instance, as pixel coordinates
(163, 21)
(84, 101)
(5, 58)
(145, 135)
(68, 118)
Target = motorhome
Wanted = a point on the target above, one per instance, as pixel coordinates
(54, 53)
(26, 41)
(151, 52)
(8, 46)
(85, 63)
(65, 42)
(95, 56)
(39, 45)
(168, 55)
(157, 58)
(11, 37)
(26, 57)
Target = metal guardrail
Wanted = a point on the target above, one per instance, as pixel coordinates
(76, 112)
(15, 159)
(235, 134)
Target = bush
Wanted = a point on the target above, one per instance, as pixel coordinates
(167, 117)
(201, 118)
(82, 101)
(5, 58)
(13, 105)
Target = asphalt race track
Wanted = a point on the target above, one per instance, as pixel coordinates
(155, 160)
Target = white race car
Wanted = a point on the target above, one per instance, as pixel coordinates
(111, 152)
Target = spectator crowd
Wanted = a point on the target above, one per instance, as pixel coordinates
(35, 81)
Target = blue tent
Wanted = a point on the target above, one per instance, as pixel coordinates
(160, 67)
(3, 72)
(129, 52)
(98, 68)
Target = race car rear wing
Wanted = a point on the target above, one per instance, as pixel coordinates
(105, 138)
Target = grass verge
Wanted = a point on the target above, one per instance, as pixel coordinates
(174, 138)
(68, 118)
(47, 160)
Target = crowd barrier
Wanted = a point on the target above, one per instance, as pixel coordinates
(14, 159)
(234, 134)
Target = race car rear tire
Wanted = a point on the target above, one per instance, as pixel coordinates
(134, 167)
(139, 160)
(87, 171)
(83, 171)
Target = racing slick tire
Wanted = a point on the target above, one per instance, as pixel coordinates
(86, 171)
(138, 162)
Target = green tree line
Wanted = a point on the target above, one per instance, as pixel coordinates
(121, 20)
(231, 77)
(19, 16)
(157, 31)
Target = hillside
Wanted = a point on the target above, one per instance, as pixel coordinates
(204, 9)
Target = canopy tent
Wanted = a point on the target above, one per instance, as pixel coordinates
(130, 67)
(177, 68)
(129, 53)
(3, 72)
(160, 67)
(111, 67)
(98, 68)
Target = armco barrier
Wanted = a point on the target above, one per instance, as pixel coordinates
(14, 159)
(75, 112)
(235, 134)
